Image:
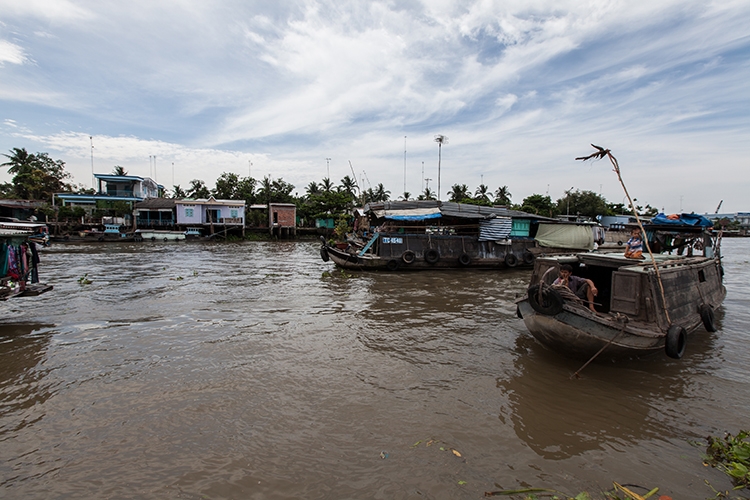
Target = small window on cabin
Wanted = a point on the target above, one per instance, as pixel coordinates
(188, 212)
(701, 276)
(234, 214)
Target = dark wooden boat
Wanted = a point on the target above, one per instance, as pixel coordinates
(428, 235)
(633, 318)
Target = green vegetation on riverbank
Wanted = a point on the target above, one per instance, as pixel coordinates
(37, 177)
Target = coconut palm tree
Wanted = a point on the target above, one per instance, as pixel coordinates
(481, 194)
(459, 192)
(118, 170)
(502, 196)
(381, 193)
(326, 185)
(312, 188)
(426, 195)
(178, 192)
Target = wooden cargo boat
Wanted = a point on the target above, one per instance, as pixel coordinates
(420, 235)
(633, 317)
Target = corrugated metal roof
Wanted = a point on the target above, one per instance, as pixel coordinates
(155, 203)
(451, 209)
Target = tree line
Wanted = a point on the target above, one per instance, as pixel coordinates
(38, 177)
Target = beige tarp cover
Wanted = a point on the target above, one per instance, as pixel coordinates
(565, 236)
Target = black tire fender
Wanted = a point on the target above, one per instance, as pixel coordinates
(619, 243)
(166, 239)
(431, 256)
(675, 342)
(408, 257)
(153, 238)
(511, 260)
(708, 318)
(392, 265)
(551, 302)
(528, 258)
(464, 259)
(324, 254)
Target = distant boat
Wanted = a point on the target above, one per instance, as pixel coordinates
(429, 235)
(633, 318)
(158, 235)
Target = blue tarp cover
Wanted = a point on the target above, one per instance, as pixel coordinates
(684, 220)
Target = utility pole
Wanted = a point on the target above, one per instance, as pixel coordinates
(440, 139)
(328, 168)
(93, 179)
(404, 164)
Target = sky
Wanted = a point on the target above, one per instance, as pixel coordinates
(306, 89)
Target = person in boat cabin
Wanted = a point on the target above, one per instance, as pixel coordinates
(634, 246)
(583, 288)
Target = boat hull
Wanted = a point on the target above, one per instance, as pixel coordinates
(159, 235)
(346, 260)
(579, 334)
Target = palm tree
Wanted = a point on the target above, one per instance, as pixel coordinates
(459, 192)
(178, 192)
(19, 162)
(426, 195)
(405, 196)
(118, 170)
(348, 185)
(381, 193)
(481, 194)
(313, 188)
(198, 189)
(502, 196)
(326, 185)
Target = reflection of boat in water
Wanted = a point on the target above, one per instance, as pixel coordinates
(559, 418)
(633, 315)
(419, 235)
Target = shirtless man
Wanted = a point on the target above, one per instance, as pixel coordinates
(583, 288)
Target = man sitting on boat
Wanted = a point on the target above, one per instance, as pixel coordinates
(583, 288)
(634, 246)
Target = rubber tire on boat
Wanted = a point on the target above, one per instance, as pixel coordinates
(324, 254)
(619, 243)
(392, 265)
(528, 258)
(166, 239)
(431, 256)
(676, 342)
(707, 316)
(464, 259)
(511, 260)
(408, 257)
(552, 301)
(153, 238)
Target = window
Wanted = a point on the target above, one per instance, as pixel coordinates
(234, 214)
(189, 212)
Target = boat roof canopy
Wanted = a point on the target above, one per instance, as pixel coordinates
(409, 215)
(447, 209)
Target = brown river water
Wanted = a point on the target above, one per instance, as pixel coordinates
(255, 370)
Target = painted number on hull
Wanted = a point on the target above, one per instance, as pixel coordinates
(393, 240)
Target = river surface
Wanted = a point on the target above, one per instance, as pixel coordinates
(255, 370)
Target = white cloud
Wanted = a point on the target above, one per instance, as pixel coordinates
(11, 53)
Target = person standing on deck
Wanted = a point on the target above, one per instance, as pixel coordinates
(583, 288)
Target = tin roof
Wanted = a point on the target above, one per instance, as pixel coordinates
(451, 209)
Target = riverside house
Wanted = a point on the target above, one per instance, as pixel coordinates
(214, 215)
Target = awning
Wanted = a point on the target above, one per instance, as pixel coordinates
(565, 236)
(409, 215)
